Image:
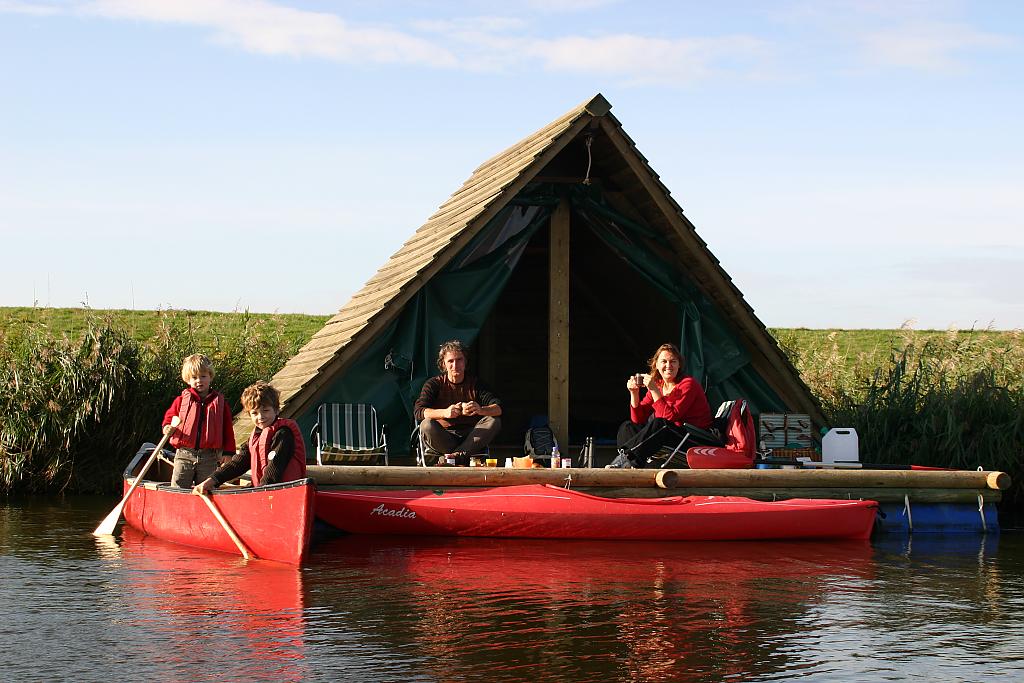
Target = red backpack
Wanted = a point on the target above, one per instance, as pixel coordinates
(740, 442)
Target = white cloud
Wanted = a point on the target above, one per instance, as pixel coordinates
(650, 60)
(470, 26)
(939, 36)
(568, 5)
(483, 43)
(25, 7)
(903, 37)
(266, 28)
(495, 44)
(930, 47)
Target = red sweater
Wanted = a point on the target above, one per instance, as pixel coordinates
(685, 403)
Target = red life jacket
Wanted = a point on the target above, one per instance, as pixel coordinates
(213, 423)
(259, 445)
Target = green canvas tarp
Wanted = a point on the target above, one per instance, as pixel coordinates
(455, 304)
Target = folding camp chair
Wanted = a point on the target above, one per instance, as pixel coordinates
(691, 435)
(349, 434)
(419, 447)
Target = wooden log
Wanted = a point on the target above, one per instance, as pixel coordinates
(558, 322)
(936, 479)
(1000, 481)
(704, 479)
(339, 475)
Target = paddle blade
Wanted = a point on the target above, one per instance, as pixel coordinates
(109, 523)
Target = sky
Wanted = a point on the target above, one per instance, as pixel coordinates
(852, 164)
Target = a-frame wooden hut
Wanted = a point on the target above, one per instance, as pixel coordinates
(564, 262)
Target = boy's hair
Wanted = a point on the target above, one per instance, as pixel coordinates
(255, 396)
(195, 365)
(451, 346)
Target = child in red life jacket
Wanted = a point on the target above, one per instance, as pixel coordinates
(204, 433)
(275, 452)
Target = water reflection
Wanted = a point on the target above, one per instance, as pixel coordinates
(400, 609)
(939, 545)
(132, 608)
(225, 616)
(593, 610)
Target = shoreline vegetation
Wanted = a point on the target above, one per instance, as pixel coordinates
(80, 388)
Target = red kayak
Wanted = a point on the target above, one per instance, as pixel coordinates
(275, 522)
(545, 511)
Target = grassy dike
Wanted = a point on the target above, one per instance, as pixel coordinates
(79, 388)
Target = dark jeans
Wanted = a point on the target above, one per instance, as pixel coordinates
(641, 441)
(471, 440)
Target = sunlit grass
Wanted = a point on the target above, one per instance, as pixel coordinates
(143, 325)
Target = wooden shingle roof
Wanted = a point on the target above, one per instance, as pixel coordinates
(487, 190)
(633, 187)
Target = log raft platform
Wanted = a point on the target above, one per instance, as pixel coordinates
(918, 486)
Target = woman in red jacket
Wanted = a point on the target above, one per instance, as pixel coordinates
(657, 418)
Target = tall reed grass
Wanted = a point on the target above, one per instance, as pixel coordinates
(71, 408)
(953, 400)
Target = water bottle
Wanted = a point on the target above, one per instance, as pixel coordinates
(556, 459)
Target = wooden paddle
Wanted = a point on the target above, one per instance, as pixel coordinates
(246, 553)
(109, 522)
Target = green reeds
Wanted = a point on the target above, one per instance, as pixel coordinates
(73, 407)
(79, 393)
(947, 400)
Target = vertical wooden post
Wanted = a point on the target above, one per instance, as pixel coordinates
(558, 324)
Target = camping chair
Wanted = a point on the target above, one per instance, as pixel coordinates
(348, 434)
(419, 447)
(692, 435)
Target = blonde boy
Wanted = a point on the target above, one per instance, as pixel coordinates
(204, 432)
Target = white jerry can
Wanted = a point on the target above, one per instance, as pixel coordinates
(840, 444)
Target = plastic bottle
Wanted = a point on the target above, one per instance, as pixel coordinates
(556, 459)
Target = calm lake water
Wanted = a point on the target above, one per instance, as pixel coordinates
(401, 609)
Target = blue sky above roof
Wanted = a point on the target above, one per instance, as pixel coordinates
(852, 164)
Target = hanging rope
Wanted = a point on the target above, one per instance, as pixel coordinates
(981, 511)
(588, 140)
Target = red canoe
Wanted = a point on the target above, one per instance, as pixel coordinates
(275, 522)
(544, 511)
